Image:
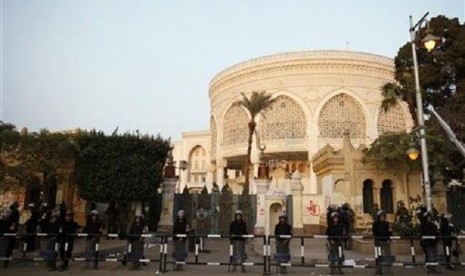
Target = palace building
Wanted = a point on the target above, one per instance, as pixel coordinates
(327, 110)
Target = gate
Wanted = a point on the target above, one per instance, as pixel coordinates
(456, 205)
(212, 213)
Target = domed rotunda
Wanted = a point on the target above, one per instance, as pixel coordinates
(327, 108)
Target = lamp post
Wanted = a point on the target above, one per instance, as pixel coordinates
(429, 43)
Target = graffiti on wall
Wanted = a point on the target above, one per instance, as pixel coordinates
(312, 209)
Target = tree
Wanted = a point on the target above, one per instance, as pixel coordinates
(8, 134)
(442, 79)
(389, 152)
(393, 92)
(26, 155)
(441, 70)
(256, 104)
(124, 167)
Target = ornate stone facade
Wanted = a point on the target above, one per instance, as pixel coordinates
(342, 113)
(391, 120)
(319, 96)
(285, 120)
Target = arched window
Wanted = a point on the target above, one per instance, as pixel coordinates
(285, 120)
(386, 196)
(51, 189)
(339, 114)
(392, 120)
(367, 196)
(32, 191)
(235, 126)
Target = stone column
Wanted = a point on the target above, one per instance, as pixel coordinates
(296, 190)
(167, 209)
(169, 188)
(220, 167)
(262, 186)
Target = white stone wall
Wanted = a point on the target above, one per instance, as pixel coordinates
(309, 79)
(183, 151)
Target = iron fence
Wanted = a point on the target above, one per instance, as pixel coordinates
(265, 259)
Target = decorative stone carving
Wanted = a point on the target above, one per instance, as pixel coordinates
(391, 121)
(341, 113)
(235, 128)
(285, 120)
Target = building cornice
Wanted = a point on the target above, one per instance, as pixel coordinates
(196, 134)
(308, 62)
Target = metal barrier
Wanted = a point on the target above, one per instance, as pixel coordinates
(266, 257)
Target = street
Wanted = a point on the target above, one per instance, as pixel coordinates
(216, 251)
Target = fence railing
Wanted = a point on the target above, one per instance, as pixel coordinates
(265, 259)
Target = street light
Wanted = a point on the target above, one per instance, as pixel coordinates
(429, 42)
(413, 154)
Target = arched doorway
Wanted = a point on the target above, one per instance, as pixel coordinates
(387, 201)
(51, 189)
(276, 209)
(197, 171)
(32, 191)
(367, 196)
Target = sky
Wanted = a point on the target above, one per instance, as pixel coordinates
(147, 65)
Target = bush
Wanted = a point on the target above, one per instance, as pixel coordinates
(405, 229)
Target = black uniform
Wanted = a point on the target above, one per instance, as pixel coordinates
(180, 227)
(68, 229)
(237, 228)
(113, 216)
(447, 231)
(335, 232)
(136, 242)
(48, 251)
(93, 231)
(4, 241)
(346, 223)
(282, 244)
(382, 233)
(13, 225)
(428, 228)
(31, 229)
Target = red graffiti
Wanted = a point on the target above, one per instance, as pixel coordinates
(313, 209)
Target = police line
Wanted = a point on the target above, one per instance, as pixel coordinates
(162, 260)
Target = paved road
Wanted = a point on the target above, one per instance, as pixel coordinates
(217, 252)
(115, 270)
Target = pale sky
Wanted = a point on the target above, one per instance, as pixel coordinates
(147, 65)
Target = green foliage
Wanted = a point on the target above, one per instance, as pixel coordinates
(122, 167)
(406, 229)
(8, 134)
(24, 155)
(390, 152)
(256, 104)
(440, 70)
(442, 80)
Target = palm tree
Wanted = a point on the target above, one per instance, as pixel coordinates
(256, 104)
(393, 92)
